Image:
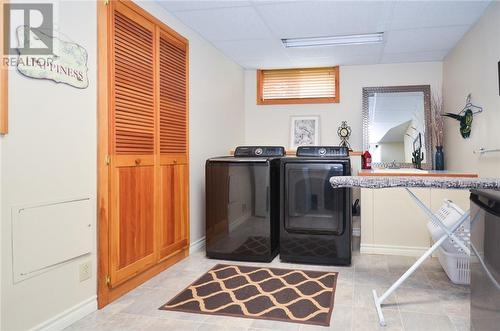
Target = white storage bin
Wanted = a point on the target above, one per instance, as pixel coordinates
(456, 265)
(462, 233)
(455, 262)
(449, 214)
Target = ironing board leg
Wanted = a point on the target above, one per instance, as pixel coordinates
(379, 309)
(408, 273)
(379, 300)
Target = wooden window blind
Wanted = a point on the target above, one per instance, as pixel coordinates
(288, 86)
(134, 103)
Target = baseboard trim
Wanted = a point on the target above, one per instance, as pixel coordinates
(69, 316)
(356, 232)
(197, 245)
(392, 250)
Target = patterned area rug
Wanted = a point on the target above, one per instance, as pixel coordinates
(266, 293)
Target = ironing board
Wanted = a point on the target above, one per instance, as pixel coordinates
(407, 182)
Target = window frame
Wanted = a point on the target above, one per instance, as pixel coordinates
(288, 101)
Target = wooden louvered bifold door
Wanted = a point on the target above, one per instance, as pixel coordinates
(173, 135)
(173, 99)
(174, 192)
(133, 119)
(148, 226)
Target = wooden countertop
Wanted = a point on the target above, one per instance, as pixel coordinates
(415, 173)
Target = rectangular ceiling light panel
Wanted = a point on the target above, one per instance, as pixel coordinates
(359, 39)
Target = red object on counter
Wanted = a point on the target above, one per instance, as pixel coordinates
(366, 160)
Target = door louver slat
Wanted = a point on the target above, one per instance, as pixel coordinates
(134, 94)
(173, 98)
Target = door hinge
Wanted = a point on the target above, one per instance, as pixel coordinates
(108, 159)
(108, 280)
(106, 2)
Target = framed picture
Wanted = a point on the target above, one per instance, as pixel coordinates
(304, 131)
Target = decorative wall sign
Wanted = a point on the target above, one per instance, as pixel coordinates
(304, 131)
(67, 65)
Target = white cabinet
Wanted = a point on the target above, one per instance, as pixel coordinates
(391, 222)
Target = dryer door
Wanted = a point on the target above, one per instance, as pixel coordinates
(311, 204)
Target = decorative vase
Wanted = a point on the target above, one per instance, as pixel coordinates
(439, 158)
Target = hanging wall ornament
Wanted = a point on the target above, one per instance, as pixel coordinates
(344, 132)
(465, 122)
(466, 116)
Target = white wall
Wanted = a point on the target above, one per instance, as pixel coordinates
(471, 67)
(270, 124)
(50, 154)
(393, 151)
(215, 110)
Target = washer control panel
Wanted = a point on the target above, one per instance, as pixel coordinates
(323, 151)
(253, 151)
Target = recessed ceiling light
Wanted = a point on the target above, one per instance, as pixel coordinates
(357, 39)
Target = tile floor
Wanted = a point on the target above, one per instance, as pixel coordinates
(427, 301)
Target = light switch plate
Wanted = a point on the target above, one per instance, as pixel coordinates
(85, 271)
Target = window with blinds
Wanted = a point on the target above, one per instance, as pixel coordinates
(288, 86)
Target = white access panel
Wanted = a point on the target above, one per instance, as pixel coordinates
(47, 235)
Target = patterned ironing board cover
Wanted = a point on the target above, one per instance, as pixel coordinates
(416, 181)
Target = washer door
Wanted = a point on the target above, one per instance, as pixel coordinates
(311, 204)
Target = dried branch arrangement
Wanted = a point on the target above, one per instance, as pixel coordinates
(437, 122)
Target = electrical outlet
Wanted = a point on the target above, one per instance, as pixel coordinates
(85, 271)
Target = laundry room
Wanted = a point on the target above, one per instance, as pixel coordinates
(249, 165)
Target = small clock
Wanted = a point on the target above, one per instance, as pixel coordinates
(344, 132)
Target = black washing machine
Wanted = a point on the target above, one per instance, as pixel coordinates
(316, 219)
(242, 204)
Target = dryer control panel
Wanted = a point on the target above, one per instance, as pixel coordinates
(323, 151)
(253, 151)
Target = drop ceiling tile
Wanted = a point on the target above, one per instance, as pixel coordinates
(237, 23)
(250, 31)
(418, 14)
(342, 51)
(360, 59)
(414, 57)
(181, 5)
(337, 55)
(252, 49)
(266, 63)
(311, 62)
(425, 39)
(325, 18)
